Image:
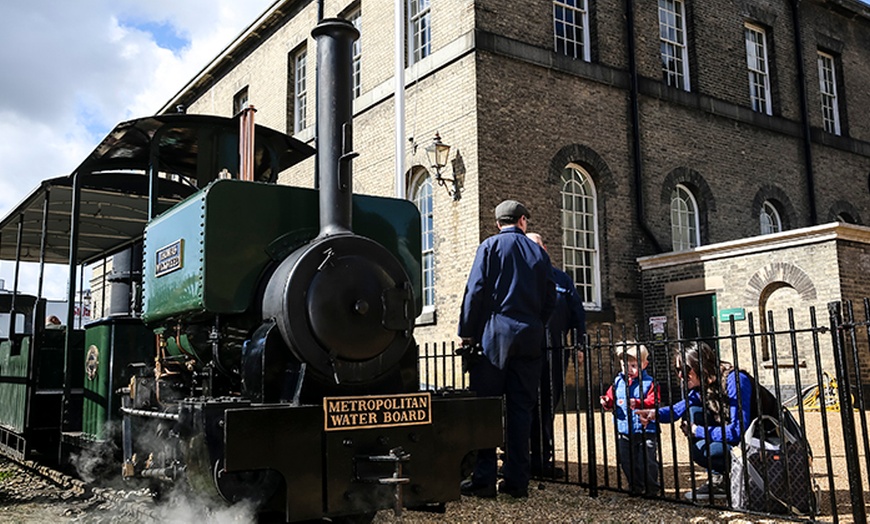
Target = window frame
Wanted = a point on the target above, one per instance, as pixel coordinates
(829, 100)
(588, 288)
(769, 218)
(240, 100)
(685, 237)
(21, 327)
(419, 30)
(580, 12)
(676, 13)
(759, 72)
(421, 188)
(300, 90)
(355, 18)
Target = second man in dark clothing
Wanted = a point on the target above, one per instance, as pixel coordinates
(566, 325)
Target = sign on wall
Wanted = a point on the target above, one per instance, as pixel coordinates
(738, 312)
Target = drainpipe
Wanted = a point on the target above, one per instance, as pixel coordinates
(317, 97)
(635, 127)
(805, 112)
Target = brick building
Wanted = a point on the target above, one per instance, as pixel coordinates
(630, 129)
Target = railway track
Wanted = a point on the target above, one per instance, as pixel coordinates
(37, 492)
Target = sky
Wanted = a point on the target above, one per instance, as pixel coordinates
(71, 70)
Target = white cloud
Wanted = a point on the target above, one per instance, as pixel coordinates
(72, 70)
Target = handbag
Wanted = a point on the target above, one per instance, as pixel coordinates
(776, 474)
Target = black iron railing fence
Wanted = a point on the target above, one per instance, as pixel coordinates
(817, 368)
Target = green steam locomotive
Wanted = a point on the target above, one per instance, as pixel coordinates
(257, 342)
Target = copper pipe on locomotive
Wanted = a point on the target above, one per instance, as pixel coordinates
(246, 143)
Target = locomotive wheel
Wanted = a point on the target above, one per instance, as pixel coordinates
(344, 306)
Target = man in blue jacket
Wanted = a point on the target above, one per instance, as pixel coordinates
(508, 298)
(566, 325)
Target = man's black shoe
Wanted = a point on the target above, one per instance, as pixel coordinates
(517, 493)
(469, 488)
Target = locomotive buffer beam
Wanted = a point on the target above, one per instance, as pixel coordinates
(399, 456)
(320, 466)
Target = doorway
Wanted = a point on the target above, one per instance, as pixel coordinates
(696, 315)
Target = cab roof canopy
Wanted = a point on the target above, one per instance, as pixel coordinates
(188, 152)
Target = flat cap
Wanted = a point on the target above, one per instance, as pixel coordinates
(511, 209)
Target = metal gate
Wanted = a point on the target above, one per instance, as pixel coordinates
(818, 368)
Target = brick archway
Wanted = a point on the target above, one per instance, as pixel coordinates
(767, 281)
(776, 275)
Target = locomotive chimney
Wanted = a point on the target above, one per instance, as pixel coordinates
(334, 123)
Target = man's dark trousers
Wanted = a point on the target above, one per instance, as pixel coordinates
(518, 382)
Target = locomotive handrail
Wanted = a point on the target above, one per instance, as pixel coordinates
(150, 414)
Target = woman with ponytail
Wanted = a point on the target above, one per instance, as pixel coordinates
(715, 412)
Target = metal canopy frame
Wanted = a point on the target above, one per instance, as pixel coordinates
(113, 206)
(179, 140)
(113, 212)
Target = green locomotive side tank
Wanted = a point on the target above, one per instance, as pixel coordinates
(208, 255)
(106, 369)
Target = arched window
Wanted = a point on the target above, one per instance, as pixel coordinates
(845, 217)
(580, 234)
(769, 218)
(421, 194)
(684, 219)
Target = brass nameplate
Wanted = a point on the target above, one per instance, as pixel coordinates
(377, 411)
(169, 258)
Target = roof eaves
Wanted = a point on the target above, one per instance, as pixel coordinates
(248, 37)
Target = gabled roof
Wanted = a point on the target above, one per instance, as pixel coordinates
(249, 39)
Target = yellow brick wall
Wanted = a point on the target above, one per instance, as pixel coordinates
(439, 98)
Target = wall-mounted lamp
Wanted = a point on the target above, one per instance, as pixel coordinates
(438, 154)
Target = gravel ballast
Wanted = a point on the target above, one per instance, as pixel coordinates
(28, 497)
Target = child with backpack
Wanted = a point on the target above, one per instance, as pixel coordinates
(637, 443)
